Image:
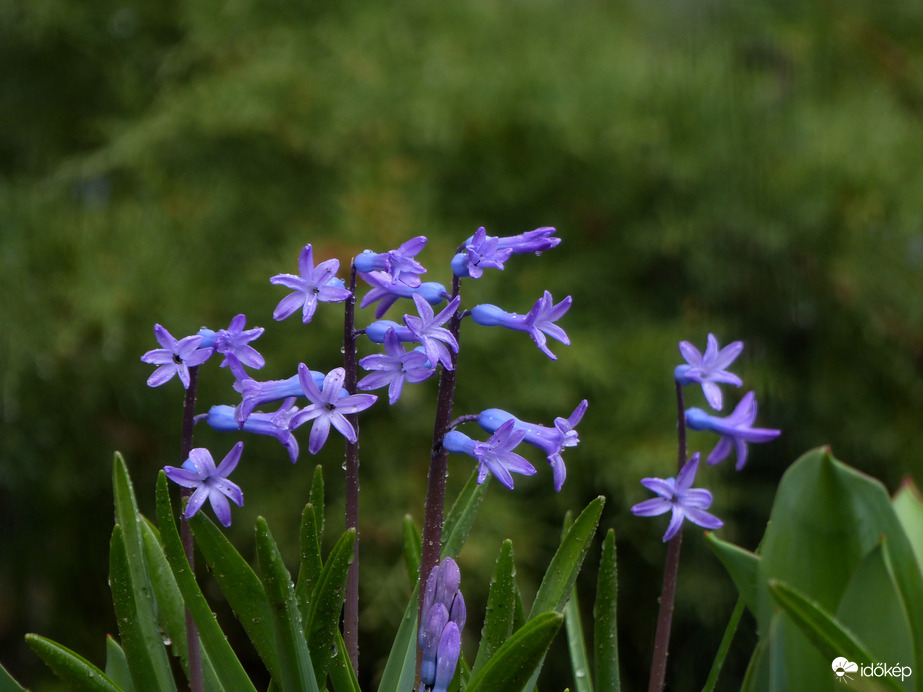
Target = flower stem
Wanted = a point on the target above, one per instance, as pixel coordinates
(351, 608)
(438, 469)
(194, 655)
(670, 570)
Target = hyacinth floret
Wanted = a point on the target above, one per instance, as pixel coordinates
(496, 455)
(394, 367)
(537, 323)
(709, 369)
(386, 291)
(175, 357)
(428, 330)
(277, 424)
(209, 483)
(399, 264)
(313, 285)
(735, 429)
(328, 407)
(679, 497)
(256, 393)
(480, 252)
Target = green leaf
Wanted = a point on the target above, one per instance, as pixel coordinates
(724, 646)
(323, 621)
(576, 645)
(605, 630)
(413, 547)
(134, 613)
(460, 518)
(821, 628)
(342, 675)
(561, 574)
(744, 568)
(316, 500)
(908, 505)
(8, 684)
(400, 668)
(311, 562)
(133, 593)
(501, 605)
(226, 664)
(514, 663)
(296, 671)
(241, 587)
(79, 674)
(117, 666)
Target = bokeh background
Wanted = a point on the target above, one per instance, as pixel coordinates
(751, 169)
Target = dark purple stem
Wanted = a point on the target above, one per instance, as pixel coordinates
(438, 466)
(351, 609)
(670, 570)
(192, 632)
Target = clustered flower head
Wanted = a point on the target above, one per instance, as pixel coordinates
(441, 623)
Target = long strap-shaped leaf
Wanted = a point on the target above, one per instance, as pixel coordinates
(400, 668)
(296, 671)
(116, 666)
(501, 607)
(519, 658)
(240, 586)
(605, 631)
(79, 674)
(227, 666)
(342, 675)
(133, 594)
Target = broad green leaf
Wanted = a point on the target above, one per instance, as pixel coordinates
(226, 664)
(908, 505)
(342, 675)
(412, 548)
(241, 588)
(311, 562)
(132, 592)
(605, 630)
(117, 666)
(501, 605)
(561, 574)
(323, 620)
(134, 613)
(8, 684)
(400, 668)
(821, 628)
(296, 671)
(79, 674)
(744, 568)
(514, 663)
(460, 518)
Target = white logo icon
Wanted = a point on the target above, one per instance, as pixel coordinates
(841, 666)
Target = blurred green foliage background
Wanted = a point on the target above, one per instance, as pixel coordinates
(751, 169)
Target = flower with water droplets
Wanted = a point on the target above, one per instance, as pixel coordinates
(428, 330)
(313, 285)
(328, 407)
(537, 323)
(394, 367)
(399, 264)
(481, 252)
(496, 455)
(679, 497)
(210, 483)
(709, 369)
(174, 357)
(736, 430)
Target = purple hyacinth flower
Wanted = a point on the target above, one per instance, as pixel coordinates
(536, 241)
(256, 393)
(428, 330)
(377, 331)
(234, 344)
(312, 286)
(735, 430)
(210, 483)
(552, 441)
(496, 455)
(388, 291)
(174, 357)
(399, 264)
(710, 369)
(278, 424)
(442, 620)
(394, 367)
(538, 322)
(481, 252)
(328, 407)
(679, 497)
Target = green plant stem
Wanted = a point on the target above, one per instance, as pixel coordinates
(670, 570)
(351, 607)
(434, 513)
(194, 654)
(725, 645)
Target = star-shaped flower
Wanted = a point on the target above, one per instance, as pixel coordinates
(538, 322)
(481, 252)
(428, 330)
(211, 484)
(399, 264)
(175, 357)
(394, 367)
(710, 369)
(387, 290)
(496, 455)
(328, 407)
(312, 286)
(679, 497)
(735, 429)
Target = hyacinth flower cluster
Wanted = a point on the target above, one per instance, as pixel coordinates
(424, 343)
(442, 621)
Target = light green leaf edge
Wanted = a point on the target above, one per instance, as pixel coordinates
(72, 668)
(117, 666)
(501, 605)
(605, 628)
